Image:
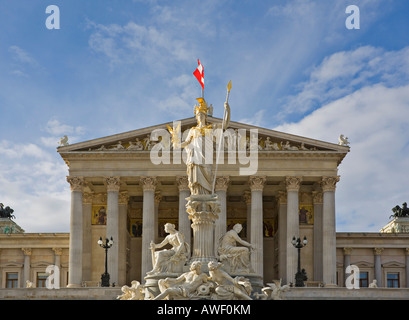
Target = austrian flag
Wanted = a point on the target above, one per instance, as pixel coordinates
(199, 74)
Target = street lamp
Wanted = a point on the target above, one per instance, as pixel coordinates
(300, 276)
(105, 276)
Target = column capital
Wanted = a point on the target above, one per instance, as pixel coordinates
(183, 183)
(27, 251)
(282, 197)
(222, 183)
(378, 251)
(57, 251)
(328, 183)
(76, 183)
(317, 197)
(347, 251)
(293, 183)
(123, 198)
(149, 183)
(247, 197)
(158, 197)
(113, 183)
(257, 183)
(87, 197)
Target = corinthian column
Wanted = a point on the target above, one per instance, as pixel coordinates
(329, 268)
(282, 235)
(87, 239)
(317, 201)
(112, 230)
(222, 183)
(27, 263)
(378, 266)
(247, 200)
(293, 186)
(148, 227)
(76, 232)
(256, 184)
(184, 222)
(123, 200)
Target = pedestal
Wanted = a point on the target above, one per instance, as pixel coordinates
(203, 211)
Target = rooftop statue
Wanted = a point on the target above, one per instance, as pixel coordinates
(6, 212)
(399, 212)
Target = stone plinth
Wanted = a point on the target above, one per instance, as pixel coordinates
(8, 226)
(203, 211)
(397, 225)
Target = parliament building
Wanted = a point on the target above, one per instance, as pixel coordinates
(276, 185)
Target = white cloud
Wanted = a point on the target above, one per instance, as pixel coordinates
(132, 42)
(344, 72)
(33, 181)
(375, 118)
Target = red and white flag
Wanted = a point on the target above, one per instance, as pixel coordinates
(199, 74)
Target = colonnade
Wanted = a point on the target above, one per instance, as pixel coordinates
(288, 208)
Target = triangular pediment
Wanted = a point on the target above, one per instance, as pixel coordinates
(139, 140)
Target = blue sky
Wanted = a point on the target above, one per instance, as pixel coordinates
(115, 66)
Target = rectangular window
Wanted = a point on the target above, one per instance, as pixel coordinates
(363, 280)
(11, 279)
(41, 278)
(392, 280)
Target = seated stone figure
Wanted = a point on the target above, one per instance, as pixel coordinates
(183, 287)
(235, 259)
(170, 260)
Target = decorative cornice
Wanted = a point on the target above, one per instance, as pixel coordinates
(222, 183)
(256, 183)
(113, 183)
(329, 183)
(76, 183)
(293, 183)
(149, 183)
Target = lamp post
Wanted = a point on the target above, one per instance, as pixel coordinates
(105, 276)
(300, 276)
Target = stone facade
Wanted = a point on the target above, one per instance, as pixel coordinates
(118, 191)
